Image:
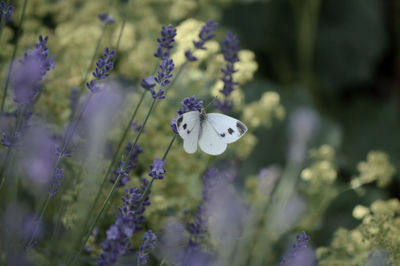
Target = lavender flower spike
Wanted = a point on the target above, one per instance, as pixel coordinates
(230, 49)
(26, 78)
(163, 78)
(103, 67)
(148, 83)
(148, 244)
(165, 42)
(206, 34)
(6, 11)
(106, 19)
(164, 74)
(127, 223)
(297, 247)
(157, 168)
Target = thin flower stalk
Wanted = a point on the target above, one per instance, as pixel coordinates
(6, 11)
(14, 53)
(148, 187)
(55, 169)
(170, 33)
(113, 161)
(110, 193)
(278, 202)
(101, 72)
(87, 73)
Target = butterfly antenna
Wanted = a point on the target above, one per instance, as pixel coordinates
(212, 101)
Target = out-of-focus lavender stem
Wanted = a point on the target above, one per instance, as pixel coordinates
(14, 53)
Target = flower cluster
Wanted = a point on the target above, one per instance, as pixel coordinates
(33, 67)
(6, 11)
(164, 74)
(206, 34)
(129, 220)
(128, 165)
(322, 171)
(188, 104)
(230, 49)
(377, 232)
(103, 67)
(165, 42)
(148, 244)
(157, 169)
(106, 19)
(377, 168)
(297, 247)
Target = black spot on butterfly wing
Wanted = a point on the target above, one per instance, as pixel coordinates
(179, 121)
(241, 127)
(222, 135)
(230, 131)
(184, 126)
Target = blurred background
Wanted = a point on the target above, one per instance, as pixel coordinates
(318, 87)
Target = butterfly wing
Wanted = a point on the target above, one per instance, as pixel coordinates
(188, 126)
(210, 142)
(228, 128)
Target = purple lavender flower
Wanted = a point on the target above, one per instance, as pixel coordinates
(157, 168)
(6, 139)
(33, 67)
(164, 74)
(6, 11)
(165, 42)
(157, 95)
(32, 228)
(206, 34)
(188, 104)
(297, 247)
(129, 220)
(148, 83)
(103, 67)
(136, 127)
(129, 164)
(58, 175)
(60, 153)
(198, 229)
(148, 244)
(189, 56)
(230, 49)
(106, 19)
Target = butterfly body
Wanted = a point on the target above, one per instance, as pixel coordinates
(211, 131)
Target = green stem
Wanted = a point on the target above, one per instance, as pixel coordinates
(146, 190)
(306, 14)
(31, 237)
(2, 24)
(88, 71)
(14, 53)
(105, 203)
(278, 203)
(16, 129)
(82, 85)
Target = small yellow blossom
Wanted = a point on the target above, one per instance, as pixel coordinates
(360, 212)
(262, 112)
(377, 168)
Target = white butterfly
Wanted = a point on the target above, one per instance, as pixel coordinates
(212, 131)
